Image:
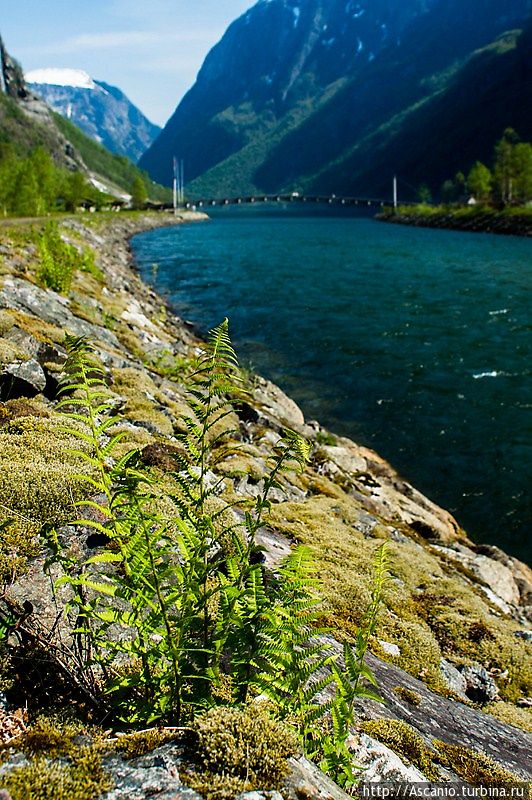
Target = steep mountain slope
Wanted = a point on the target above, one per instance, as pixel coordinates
(277, 59)
(277, 135)
(447, 132)
(26, 122)
(102, 111)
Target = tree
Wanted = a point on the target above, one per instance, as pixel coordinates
(74, 190)
(522, 172)
(504, 169)
(479, 182)
(424, 194)
(46, 178)
(139, 195)
(26, 200)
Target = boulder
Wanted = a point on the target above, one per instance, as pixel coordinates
(454, 679)
(480, 686)
(51, 307)
(22, 379)
(275, 403)
(381, 764)
(496, 578)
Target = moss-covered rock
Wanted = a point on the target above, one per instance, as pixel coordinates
(240, 750)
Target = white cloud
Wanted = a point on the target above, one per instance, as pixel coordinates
(103, 41)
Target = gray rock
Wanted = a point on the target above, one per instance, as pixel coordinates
(307, 781)
(480, 686)
(380, 763)
(24, 372)
(525, 635)
(438, 717)
(259, 796)
(153, 775)
(45, 304)
(390, 648)
(496, 579)
(454, 679)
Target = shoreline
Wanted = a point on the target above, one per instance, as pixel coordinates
(473, 220)
(342, 506)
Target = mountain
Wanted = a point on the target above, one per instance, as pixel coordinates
(334, 93)
(27, 122)
(102, 111)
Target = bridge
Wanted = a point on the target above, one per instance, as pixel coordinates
(294, 197)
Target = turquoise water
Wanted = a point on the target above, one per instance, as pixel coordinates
(415, 342)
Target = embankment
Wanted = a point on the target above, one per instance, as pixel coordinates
(511, 222)
(452, 650)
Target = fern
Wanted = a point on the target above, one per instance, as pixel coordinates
(332, 750)
(177, 606)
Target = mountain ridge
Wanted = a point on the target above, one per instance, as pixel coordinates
(101, 110)
(287, 134)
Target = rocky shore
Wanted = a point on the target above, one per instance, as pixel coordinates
(475, 220)
(452, 653)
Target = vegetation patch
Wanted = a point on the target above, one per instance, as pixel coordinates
(405, 742)
(408, 695)
(475, 768)
(242, 750)
(81, 776)
(39, 482)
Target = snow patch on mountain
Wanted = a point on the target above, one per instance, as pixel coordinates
(54, 76)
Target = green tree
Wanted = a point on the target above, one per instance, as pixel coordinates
(46, 178)
(424, 194)
(139, 195)
(479, 182)
(74, 190)
(522, 172)
(504, 168)
(448, 192)
(26, 200)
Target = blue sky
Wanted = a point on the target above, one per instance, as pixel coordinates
(151, 49)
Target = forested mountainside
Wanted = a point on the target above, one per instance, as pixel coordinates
(346, 73)
(27, 123)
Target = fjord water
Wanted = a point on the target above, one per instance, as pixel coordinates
(415, 342)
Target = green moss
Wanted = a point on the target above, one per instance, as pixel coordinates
(10, 353)
(21, 407)
(39, 482)
(80, 777)
(6, 322)
(49, 737)
(60, 768)
(408, 695)
(133, 745)
(240, 750)
(511, 715)
(147, 404)
(38, 328)
(405, 742)
(326, 438)
(475, 768)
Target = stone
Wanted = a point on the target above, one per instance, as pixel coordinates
(380, 763)
(454, 679)
(498, 580)
(45, 304)
(480, 686)
(389, 648)
(307, 782)
(22, 379)
(347, 459)
(275, 403)
(153, 775)
(525, 635)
